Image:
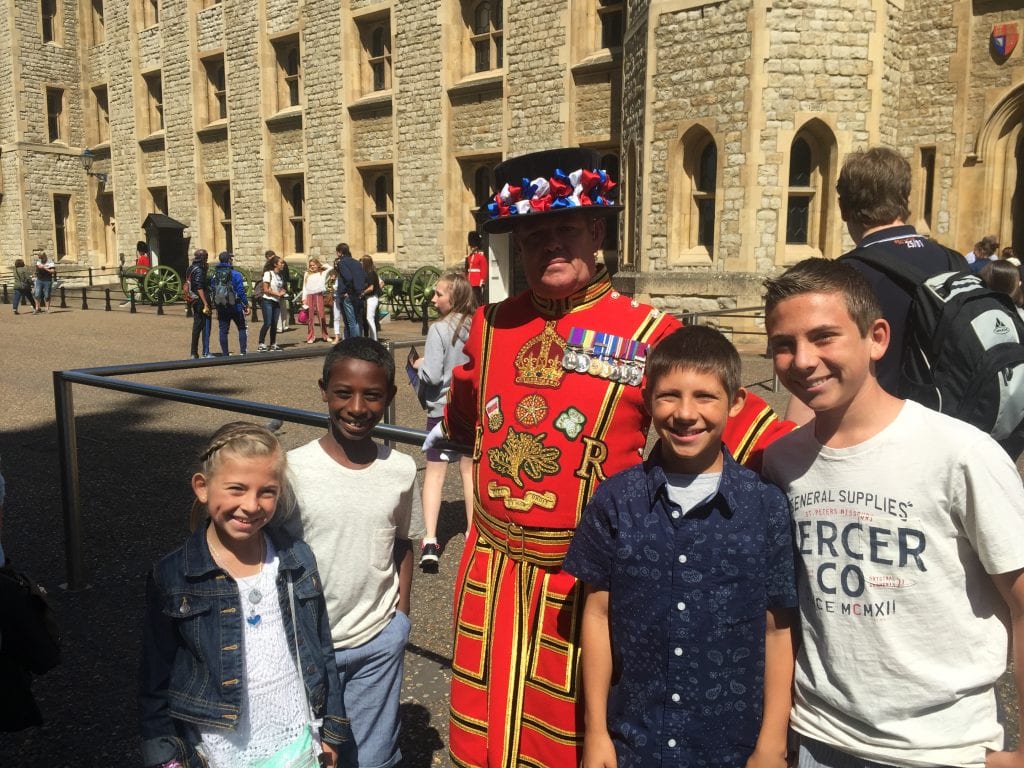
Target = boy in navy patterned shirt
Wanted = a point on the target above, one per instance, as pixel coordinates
(689, 589)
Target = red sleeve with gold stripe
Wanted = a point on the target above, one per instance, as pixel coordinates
(752, 430)
(461, 413)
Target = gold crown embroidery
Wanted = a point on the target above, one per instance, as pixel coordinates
(539, 362)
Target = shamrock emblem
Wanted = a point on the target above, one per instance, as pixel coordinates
(570, 422)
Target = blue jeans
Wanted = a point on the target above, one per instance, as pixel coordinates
(271, 313)
(236, 315)
(43, 289)
(350, 311)
(371, 677)
(19, 294)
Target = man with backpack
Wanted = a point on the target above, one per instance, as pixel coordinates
(349, 283)
(227, 287)
(955, 345)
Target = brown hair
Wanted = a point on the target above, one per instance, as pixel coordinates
(825, 276)
(874, 187)
(367, 263)
(1004, 277)
(242, 440)
(696, 347)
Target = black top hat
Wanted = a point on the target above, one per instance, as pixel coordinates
(547, 183)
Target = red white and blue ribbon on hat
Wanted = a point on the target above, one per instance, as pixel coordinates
(580, 189)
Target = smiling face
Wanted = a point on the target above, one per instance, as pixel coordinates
(689, 409)
(357, 393)
(240, 496)
(558, 252)
(820, 354)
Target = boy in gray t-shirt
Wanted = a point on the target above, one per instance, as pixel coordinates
(358, 509)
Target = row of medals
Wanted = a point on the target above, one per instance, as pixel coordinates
(629, 372)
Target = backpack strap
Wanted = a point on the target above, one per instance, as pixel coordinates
(906, 276)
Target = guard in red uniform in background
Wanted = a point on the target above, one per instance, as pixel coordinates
(476, 268)
(551, 401)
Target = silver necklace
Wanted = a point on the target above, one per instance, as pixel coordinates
(254, 595)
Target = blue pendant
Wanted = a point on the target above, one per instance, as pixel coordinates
(254, 619)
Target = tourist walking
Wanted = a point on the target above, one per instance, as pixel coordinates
(273, 290)
(313, 289)
(349, 284)
(22, 285)
(199, 301)
(227, 287)
(46, 270)
(371, 296)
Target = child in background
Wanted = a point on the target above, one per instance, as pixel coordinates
(371, 296)
(313, 288)
(359, 508)
(273, 292)
(687, 558)
(455, 304)
(909, 528)
(1003, 277)
(226, 615)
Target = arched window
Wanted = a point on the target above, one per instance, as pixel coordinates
(810, 179)
(485, 21)
(705, 186)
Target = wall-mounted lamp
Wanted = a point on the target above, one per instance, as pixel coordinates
(88, 158)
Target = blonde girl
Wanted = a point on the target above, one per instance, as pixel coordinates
(313, 289)
(453, 298)
(232, 617)
(371, 296)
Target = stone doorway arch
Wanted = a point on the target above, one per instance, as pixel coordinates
(999, 152)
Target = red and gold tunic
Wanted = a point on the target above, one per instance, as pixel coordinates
(543, 438)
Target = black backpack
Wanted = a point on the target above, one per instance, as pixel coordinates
(223, 289)
(963, 353)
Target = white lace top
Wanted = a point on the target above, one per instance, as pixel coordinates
(274, 711)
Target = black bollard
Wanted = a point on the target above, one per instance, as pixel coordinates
(159, 303)
(426, 319)
(131, 299)
(5, 294)
(188, 309)
(90, 277)
(63, 299)
(255, 315)
(85, 299)
(106, 292)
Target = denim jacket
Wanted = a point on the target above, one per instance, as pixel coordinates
(192, 659)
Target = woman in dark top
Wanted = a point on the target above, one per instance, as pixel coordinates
(22, 285)
(371, 297)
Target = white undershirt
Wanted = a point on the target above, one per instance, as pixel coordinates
(690, 491)
(274, 710)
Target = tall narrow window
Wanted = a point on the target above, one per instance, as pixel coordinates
(486, 35)
(610, 14)
(704, 189)
(99, 30)
(48, 12)
(297, 219)
(928, 187)
(798, 207)
(101, 128)
(809, 181)
(217, 92)
(222, 238)
(55, 114)
(380, 56)
(610, 163)
(155, 101)
(382, 214)
(483, 191)
(150, 13)
(61, 224)
(289, 72)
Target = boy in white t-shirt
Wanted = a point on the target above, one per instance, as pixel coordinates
(910, 528)
(359, 509)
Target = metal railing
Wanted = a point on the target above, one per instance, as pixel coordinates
(109, 378)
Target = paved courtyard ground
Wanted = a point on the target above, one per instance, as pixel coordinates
(136, 455)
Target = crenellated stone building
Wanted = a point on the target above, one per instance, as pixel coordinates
(295, 125)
